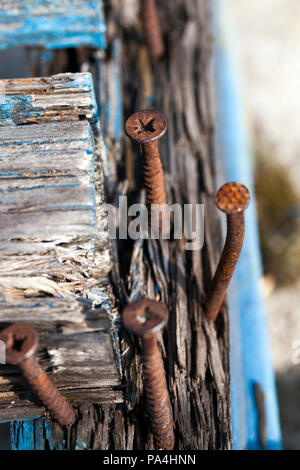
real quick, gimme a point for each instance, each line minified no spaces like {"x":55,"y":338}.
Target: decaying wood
{"x":196,"y":354}
{"x":63,"y":97}
{"x":54,"y":254}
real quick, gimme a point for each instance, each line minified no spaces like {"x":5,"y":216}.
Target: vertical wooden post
{"x":196,"y":354}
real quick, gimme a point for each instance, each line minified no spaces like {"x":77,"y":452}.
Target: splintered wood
{"x":196,"y":353}
{"x":54,"y":254}
{"x":63,"y":97}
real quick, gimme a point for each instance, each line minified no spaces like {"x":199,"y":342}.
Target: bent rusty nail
{"x":232,"y":198}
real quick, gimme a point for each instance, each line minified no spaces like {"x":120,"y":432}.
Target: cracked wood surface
{"x":54,"y":256}
{"x":196,"y":354}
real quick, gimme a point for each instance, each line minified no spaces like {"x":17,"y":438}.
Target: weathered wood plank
{"x":35,"y":193}
{"x":196,"y":354}
{"x":54,"y":255}
{"x":51,"y":23}
{"x":62,"y":97}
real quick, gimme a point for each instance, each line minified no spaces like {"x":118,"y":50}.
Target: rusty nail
{"x":144,"y":317}
{"x":21,"y":343}
{"x":152,"y":29}
{"x":147,"y":127}
{"x":232,"y":198}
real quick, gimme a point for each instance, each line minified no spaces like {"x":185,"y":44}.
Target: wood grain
{"x":54,"y":256}
{"x":196,"y":354}
{"x":62,"y":97}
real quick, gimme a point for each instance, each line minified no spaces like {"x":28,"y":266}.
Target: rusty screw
{"x":21,"y":342}
{"x":152,"y":29}
{"x":232,"y":198}
{"x":144,"y":317}
{"x":147,"y":127}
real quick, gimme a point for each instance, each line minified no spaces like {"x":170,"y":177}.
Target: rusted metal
{"x":232,"y":198}
{"x":152,"y":29}
{"x":144,"y":317}
{"x":147,"y":127}
{"x":21,"y":343}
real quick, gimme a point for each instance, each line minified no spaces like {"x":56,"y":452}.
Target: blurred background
{"x":267,"y":41}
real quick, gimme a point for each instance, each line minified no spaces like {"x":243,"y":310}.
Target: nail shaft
{"x":143,"y":318}
{"x":21,"y":343}
{"x":146,"y":128}
{"x":158,"y":402}
{"x":153,"y":175}
{"x":232,"y":198}
{"x":152,"y":29}
{"x":47,"y":392}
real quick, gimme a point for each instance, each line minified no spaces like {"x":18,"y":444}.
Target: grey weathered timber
{"x":62,"y":97}
{"x":196,"y":354}
{"x":54,"y":253}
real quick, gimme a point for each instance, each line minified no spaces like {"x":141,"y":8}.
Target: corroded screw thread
{"x":232,"y":198}
{"x":152,"y":29}
{"x":21,"y":342}
{"x":47,"y":392}
{"x":153,"y":175}
{"x":144,"y":317}
{"x":157,"y":397}
{"x":147,"y":127}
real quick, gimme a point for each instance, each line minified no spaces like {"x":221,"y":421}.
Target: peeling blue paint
{"x":53,"y":24}
{"x":42,"y":187}
{"x":17,"y":109}
{"x":40,"y":142}
{"x":118,"y":108}
{"x":22,"y":433}
{"x":18,"y":175}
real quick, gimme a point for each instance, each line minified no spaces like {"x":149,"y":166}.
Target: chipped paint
{"x":52,"y":24}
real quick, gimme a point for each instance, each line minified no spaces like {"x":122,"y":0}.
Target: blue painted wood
{"x":52,"y":23}
{"x":37,"y":434}
{"x":118,"y":102}
{"x":250,"y":351}
{"x":24,"y":430}
{"x":25,"y":418}
{"x":109,"y":92}
{"x":27,"y":101}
